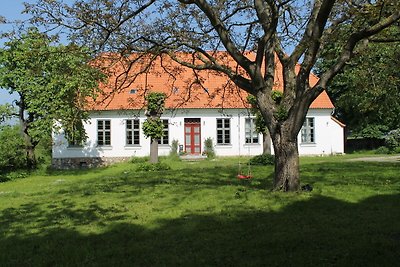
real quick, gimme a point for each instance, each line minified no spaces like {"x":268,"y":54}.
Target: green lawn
{"x":199,"y":214}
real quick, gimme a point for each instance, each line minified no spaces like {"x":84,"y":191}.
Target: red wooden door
{"x":192,"y":136}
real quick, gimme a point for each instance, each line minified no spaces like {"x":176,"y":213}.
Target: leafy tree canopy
{"x":6,"y":112}
{"x":366,"y":92}
{"x":53,"y":82}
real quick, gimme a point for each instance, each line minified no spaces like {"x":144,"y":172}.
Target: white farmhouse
{"x":200,"y":105}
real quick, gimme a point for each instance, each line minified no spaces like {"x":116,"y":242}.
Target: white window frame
{"x":308,"y":131}
{"x":223,"y":132}
{"x":250,"y":134}
{"x":132,"y":130}
{"x":101,"y":128}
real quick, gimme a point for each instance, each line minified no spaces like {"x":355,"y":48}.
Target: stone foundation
{"x":84,"y":163}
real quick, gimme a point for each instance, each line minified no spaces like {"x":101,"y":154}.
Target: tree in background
{"x":11,"y":148}
{"x":366,"y":93}
{"x":7,"y":111}
{"x":255,"y":35}
{"x":153,"y":127}
{"x":53,"y":84}
{"x":11,"y":144}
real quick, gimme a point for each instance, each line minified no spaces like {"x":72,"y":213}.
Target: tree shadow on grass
{"x":131,"y":181}
{"x":371,"y":174}
{"x":318,"y":232}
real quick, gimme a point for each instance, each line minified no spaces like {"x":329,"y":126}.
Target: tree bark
{"x":30,"y":144}
{"x":287,"y":171}
{"x":266,"y":143}
{"x":154,"y":151}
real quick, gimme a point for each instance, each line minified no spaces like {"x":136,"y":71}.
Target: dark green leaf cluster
{"x":155,"y":103}
{"x":12,"y":147}
{"x":366,"y":93}
{"x":261,"y":125}
{"x":153,"y":127}
{"x":7,"y":111}
{"x":276,"y":96}
{"x":262,"y":160}
{"x":209,"y":150}
{"x":54,"y":82}
{"x":152,"y":167}
{"x":392,"y":140}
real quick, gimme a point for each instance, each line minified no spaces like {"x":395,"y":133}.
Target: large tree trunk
{"x":30,"y":144}
{"x":266,"y":143}
{"x":154,"y":151}
{"x":287,"y":171}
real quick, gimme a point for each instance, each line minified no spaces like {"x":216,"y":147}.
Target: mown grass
{"x":199,"y":214}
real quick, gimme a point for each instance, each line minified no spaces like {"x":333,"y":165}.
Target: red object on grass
{"x":242,"y":176}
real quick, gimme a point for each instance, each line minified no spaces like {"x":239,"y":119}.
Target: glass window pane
{"x":227,"y":123}
{"x":107,"y":125}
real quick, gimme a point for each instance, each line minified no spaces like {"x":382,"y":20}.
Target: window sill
{"x":224,"y":145}
{"x":308,"y":144}
{"x":105,"y":147}
{"x":132,"y":147}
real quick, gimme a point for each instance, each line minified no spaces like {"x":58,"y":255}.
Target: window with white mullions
{"x":132,"y":132}
{"x":308,"y":131}
{"x":164,"y":140}
{"x":251,"y":134}
{"x":223,"y":131}
{"x":103,"y":132}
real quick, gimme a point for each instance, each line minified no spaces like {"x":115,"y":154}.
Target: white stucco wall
{"x":328,"y":135}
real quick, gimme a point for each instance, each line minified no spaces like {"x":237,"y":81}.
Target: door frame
{"x":192,"y":123}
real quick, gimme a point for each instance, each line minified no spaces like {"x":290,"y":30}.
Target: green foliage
{"x":153,"y":127}
{"x":7,"y":111}
{"x":153,"y":167}
{"x":260,"y":124}
{"x":135,"y":160}
{"x":382,"y":150}
{"x":54,"y":83}
{"x":366,"y":93}
{"x":277,"y":96}
{"x":281,"y":113}
{"x":12,"y":147}
{"x":392,"y":140}
{"x":262,"y":160}
{"x":209,"y":148}
{"x":174,"y":148}
{"x":155,"y":103}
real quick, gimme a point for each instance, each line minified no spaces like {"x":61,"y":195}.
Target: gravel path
{"x":395,"y":158}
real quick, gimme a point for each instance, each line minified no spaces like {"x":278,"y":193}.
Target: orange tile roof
{"x":184,"y":87}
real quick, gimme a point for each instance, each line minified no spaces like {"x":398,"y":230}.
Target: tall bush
{"x":12,"y":148}
{"x":392,"y":140}
{"x":209,"y":148}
